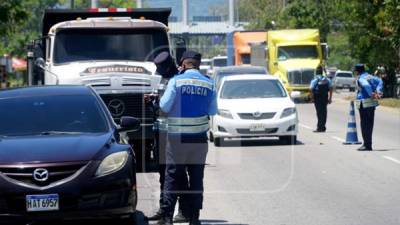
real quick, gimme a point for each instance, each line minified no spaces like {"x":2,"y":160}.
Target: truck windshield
{"x":297,"y":52}
{"x":38,"y":115}
{"x":235,"y":89}
{"x":109,"y":44}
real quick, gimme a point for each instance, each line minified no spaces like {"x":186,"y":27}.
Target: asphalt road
{"x":319,"y":181}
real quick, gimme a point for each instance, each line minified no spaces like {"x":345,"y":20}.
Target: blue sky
{"x":196,"y":7}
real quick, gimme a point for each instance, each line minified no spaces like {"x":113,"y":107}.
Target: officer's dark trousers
{"x":367,"y":116}
{"x":185,"y":158}
{"x":181,"y":199}
{"x":162,"y":142}
{"x":321,"y":106}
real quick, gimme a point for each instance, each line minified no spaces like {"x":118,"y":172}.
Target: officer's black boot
{"x":157,"y":216}
{"x":181,"y":217}
{"x":194,"y":219}
{"x":165,"y":221}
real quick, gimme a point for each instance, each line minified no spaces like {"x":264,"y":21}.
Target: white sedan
{"x":254,"y":106}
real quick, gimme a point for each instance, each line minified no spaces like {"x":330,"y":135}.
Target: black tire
{"x":289,"y":140}
{"x":129,"y":219}
{"x":218,"y":141}
{"x":211,"y":137}
{"x":352,"y":89}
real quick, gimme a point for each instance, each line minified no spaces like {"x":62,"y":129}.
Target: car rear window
{"x":236,"y":89}
{"x":245,"y":70}
{"x":41,"y":114}
{"x":349,"y":75}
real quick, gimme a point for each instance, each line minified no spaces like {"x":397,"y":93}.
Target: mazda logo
{"x":41,"y":174}
{"x":116,"y":107}
{"x":257,"y":114}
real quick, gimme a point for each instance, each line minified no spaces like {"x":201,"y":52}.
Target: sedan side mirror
{"x":128,"y":123}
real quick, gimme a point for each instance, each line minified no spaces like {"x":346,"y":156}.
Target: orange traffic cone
{"x":351,"y":136}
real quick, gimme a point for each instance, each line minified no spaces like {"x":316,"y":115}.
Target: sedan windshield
{"x":220,"y":62}
{"x":236,"y":89}
{"x":109,"y":44}
{"x":51,"y":115}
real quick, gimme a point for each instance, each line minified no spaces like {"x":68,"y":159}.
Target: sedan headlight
{"x":112,"y":163}
{"x":225,"y":113}
{"x":288,"y":111}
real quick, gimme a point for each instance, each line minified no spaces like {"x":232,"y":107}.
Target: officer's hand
{"x":329,"y":101}
{"x":149,"y":97}
{"x":376,"y":95}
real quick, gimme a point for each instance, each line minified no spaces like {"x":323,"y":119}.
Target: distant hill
{"x":197,"y":8}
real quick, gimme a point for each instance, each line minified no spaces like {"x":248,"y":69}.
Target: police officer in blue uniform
{"x":369,"y":90}
{"x":321,"y":95}
{"x":166,"y":67}
{"x":188,"y":101}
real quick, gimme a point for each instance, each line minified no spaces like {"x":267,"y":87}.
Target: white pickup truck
{"x":344,"y":79}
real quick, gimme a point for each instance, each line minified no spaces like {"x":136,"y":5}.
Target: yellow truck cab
{"x":293,"y":56}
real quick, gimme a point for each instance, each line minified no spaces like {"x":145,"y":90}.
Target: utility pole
{"x":231,"y":12}
{"x":94,"y":3}
{"x":139,"y":4}
{"x":185,"y":12}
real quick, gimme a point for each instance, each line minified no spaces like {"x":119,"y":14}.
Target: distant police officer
{"x":188,"y":101}
{"x":166,"y":68}
{"x":369,"y":91}
{"x":321,"y":95}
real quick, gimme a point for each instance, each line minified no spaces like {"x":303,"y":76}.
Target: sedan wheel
{"x":218,"y":141}
{"x":289,"y":140}
{"x":211,"y":137}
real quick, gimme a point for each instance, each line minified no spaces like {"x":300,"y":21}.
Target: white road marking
{"x":338,"y":139}
{"x":391,"y":159}
{"x":305,"y":126}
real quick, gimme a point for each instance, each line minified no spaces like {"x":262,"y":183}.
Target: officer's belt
{"x":188,"y":129}
{"x":187,"y":121}
{"x":366,"y":103}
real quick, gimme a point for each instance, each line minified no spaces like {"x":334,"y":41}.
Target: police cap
{"x":190,"y":55}
{"x":165,"y":64}
{"x":359,"y":67}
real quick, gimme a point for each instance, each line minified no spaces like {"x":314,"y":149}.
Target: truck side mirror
{"x":180,"y":48}
{"x":325,"y":51}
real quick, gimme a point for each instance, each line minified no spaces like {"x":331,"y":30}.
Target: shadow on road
{"x":219,"y":222}
{"x":255,"y":142}
{"x":386,"y":150}
{"x":137,"y":220}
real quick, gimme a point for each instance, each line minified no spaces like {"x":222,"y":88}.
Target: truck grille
{"x":254,"y":116}
{"x":301,"y":77}
{"x":129,"y":105}
{"x":56,"y":172}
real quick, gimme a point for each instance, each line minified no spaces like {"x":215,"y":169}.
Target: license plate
{"x":257,"y":127}
{"x":37,"y":203}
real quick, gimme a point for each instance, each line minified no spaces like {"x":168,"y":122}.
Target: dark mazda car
{"x":63,"y":157}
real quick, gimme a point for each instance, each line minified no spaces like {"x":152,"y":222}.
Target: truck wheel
{"x":352,"y":89}
{"x":211,"y":137}
{"x":218,"y":141}
{"x":289,"y":140}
